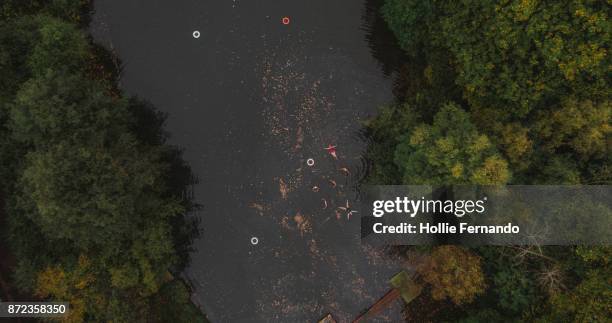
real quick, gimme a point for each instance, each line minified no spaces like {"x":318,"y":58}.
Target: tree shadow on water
{"x":148,"y":125}
{"x":383,"y":44}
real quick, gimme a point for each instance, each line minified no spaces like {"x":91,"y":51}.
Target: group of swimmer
{"x":346,"y":208}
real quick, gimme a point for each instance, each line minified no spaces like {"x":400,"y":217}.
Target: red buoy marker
{"x":286,"y":20}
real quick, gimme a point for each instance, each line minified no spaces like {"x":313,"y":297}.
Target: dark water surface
{"x":250,"y":101}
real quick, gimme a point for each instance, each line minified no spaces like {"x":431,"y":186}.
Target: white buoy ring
{"x":196,"y":34}
{"x":310,"y":162}
{"x":254,"y":241}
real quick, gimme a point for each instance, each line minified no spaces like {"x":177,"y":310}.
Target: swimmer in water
{"x":348,"y":215}
{"x":346,"y":209}
{"x":324,"y":203}
{"x":332,"y":183}
{"x":345,"y":171}
{"x":338,"y":214}
{"x":332,"y":151}
{"x":315,"y":189}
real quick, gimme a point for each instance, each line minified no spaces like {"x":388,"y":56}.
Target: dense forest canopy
{"x":93,"y":194}
{"x":515,"y":65}
{"x":504,"y":92}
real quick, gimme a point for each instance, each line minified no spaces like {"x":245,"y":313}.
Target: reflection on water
{"x":251,"y":100}
{"x":382,"y":42}
{"x":362,"y":170}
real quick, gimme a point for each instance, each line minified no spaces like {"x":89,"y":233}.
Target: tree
{"x":385,"y":130}
{"x":61,"y":46}
{"x":589,"y":299}
{"x":534,"y":80}
{"x":450,"y":151}
{"x":59,"y":106}
{"x":409,"y":20}
{"x":452,"y":272}
{"x":517,"y":54}
{"x":520,"y":66}
{"x":94,"y":194}
{"x":582,"y":126}
{"x":73,"y":286}
{"x":588,"y":302}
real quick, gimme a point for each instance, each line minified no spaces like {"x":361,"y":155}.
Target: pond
{"x":254,"y":100}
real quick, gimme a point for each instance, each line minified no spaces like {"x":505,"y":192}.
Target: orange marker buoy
{"x":286,"y":20}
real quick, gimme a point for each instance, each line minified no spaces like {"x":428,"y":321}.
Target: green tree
{"x":59,"y":106}
{"x":119,"y":195}
{"x":515,"y":54}
{"x":93,"y":192}
{"x":386,"y":131}
{"x":521,"y":66}
{"x":17,"y":38}
{"x":450,"y":151}
{"x":588,"y":302}
{"x":584,"y":127}
{"x":409,"y":20}
{"x":61,"y":46}
{"x":534,"y":82}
